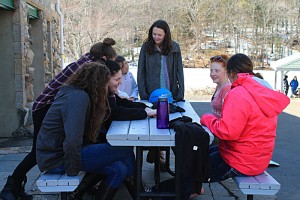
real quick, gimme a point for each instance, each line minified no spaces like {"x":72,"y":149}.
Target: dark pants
{"x":220,"y":170}
{"x":30,"y":160}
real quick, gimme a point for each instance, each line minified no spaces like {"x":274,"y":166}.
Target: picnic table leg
{"x":178,"y":179}
{"x":139,"y":160}
{"x":63,"y":195}
{"x":168,"y":162}
{"x":249,"y":197}
{"x":157,"y":166}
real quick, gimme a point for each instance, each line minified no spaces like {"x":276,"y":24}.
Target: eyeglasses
{"x":217,"y":58}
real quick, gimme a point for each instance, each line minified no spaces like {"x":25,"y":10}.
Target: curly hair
{"x":104,"y":49}
{"x":93,"y":78}
{"x":166,"y":44}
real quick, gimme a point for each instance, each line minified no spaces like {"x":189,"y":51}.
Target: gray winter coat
{"x":149,"y":67}
{"x":60,"y":138}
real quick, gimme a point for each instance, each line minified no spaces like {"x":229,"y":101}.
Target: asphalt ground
{"x":287,"y":151}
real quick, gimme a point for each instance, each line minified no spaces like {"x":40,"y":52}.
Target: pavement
{"x":287,"y":151}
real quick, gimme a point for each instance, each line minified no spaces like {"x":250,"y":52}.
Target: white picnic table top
{"x":144,"y":132}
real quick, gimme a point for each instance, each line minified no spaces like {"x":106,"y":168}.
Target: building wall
{"x":8,"y":111}
{"x":30,"y":57}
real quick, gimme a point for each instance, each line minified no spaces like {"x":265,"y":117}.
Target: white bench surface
{"x":58,"y":182}
{"x":263,"y":184}
{"x":144,"y":132}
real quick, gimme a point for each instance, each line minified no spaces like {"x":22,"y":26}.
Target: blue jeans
{"x":220,"y":170}
{"x":116,"y":163}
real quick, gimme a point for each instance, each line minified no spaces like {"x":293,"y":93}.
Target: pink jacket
{"x":247,"y":128}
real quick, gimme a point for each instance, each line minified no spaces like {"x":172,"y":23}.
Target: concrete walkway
{"x":287,"y":151}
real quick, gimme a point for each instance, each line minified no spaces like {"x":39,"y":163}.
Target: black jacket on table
{"x":192,"y":150}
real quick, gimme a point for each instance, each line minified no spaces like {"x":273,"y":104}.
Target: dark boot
{"x":88,"y":181}
{"x":130,"y":185}
{"x":14,"y":189}
{"x":105,"y":192}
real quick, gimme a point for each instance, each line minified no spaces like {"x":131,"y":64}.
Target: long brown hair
{"x":166,"y":44}
{"x":93,"y":78}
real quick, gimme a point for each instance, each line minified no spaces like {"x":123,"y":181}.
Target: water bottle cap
{"x":163,"y":98}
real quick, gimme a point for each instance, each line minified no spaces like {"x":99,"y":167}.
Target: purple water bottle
{"x":162,"y":118}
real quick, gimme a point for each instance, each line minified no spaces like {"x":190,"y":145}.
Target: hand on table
{"x":150,"y":112}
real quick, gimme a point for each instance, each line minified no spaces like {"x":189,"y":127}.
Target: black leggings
{"x":30,"y":160}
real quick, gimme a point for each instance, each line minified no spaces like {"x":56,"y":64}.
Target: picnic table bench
{"x":263,"y":184}
{"x":59,"y":183}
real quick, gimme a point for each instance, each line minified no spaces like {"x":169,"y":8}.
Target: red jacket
{"x":247,"y":128}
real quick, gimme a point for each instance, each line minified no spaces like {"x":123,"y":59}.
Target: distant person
{"x":160,"y":66}
{"x":160,"y":63}
{"x":15,"y":184}
{"x":247,"y":127}
{"x":294,"y":85}
{"x":285,"y":85}
{"x":128,"y":85}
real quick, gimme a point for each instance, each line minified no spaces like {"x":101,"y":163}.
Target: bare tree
{"x":256,"y":27}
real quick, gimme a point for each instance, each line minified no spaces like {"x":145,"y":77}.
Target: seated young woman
{"x":67,"y":141}
{"x":246,"y":128}
{"x":119,"y":109}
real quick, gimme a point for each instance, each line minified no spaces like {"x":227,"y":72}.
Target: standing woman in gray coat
{"x":160,"y":66}
{"x":160,"y":63}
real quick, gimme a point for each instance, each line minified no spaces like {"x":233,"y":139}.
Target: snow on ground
{"x":198,"y":78}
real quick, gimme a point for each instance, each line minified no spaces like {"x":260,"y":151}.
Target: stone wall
{"x":35,"y":44}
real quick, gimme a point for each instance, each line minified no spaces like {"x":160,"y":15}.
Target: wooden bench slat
{"x":258,"y":192}
{"x":263,"y":184}
{"x":158,"y":134}
{"x":118,"y":130}
{"x":267,"y":181}
{"x":57,"y":189}
{"x":65,"y":180}
{"x":135,"y":130}
{"x":48,"y":180}
{"x":248,"y":182}
{"x":58,"y":182}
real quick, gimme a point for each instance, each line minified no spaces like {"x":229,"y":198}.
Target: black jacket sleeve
{"x":127,"y":110}
{"x":129,"y":104}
